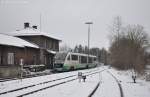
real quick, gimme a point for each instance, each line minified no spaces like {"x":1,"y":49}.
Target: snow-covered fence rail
{"x":7,"y":79}
{"x":24,"y":77}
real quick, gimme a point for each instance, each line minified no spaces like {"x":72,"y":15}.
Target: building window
{"x":50,"y":61}
{"x":45,"y":60}
{"x":50,"y":44}
{"x":45,"y":44}
{"x":10,"y":58}
{"x":53,"y":45}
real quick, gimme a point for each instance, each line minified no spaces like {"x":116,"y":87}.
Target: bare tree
{"x":137,"y":40}
{"x":115,"y":28}
{"x":128,"y":51}
{"x":115,"y":37}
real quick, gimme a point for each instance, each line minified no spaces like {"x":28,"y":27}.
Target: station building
{"x":29,"y":44}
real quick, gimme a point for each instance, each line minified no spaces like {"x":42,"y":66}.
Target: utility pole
{"x":88,"y":23}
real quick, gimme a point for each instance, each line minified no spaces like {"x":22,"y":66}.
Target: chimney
{"x":34,"y":27}
{"x":26,"y":25}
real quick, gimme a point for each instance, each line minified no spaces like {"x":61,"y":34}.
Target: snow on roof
{"x":30,"y":32}
{"x":14,"y":41}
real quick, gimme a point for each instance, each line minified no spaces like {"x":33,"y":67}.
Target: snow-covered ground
{"x":71,"y":89}
{"x":11,"y":85}
{"x":108,"y":86}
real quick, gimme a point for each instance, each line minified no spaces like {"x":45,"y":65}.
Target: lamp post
{"x":88,"y":23}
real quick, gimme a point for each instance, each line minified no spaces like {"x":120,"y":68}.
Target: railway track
{"x":28,"y":76}
{"x":56,"y":84}
{"x":46,"y":82}
{"x":98,"y":84}
{"x":119,"y":85}
{"x":94,"y":90}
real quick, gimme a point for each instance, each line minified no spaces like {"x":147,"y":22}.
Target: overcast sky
{"x":65,"y":18}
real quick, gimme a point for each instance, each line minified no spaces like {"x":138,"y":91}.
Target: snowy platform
{"x":108,"y":86}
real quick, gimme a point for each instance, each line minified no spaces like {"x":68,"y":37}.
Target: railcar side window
{"x":83,"y":59}
{"x":74,"y":57}
{"x":90,"y":59}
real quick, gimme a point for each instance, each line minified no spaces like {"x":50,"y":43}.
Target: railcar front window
{"x":58,"y":65}
{"x":68,"y":58}
{"x":74,"y":57}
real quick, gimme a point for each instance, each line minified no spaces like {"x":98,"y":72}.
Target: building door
{"x":10,"y":59}
{"x":34,"y":60}
{"x":45,"y":60}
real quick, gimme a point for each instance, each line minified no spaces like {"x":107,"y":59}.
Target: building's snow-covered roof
{"x":14,"y":41}
{"x":30,"y":32}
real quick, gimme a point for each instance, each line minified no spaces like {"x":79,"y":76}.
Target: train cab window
{"x":68,"y":58}
{"x":58,"y":65}
{"x":74,"y":57}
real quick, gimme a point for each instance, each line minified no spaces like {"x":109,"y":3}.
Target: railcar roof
{"x":81,"y":54}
